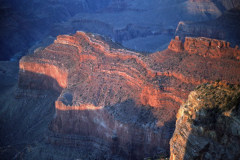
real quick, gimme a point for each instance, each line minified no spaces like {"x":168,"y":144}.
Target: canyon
{"x":118,"y":79}
{"x":120,"y":102}
{"x":139,"y":25}
{"x":224,"y":27}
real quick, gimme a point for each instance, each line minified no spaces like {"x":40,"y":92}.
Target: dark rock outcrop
{"x":208,"y":124}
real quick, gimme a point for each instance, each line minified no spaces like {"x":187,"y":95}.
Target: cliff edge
{"x":120,"y":99}
{"x":208,"y":124}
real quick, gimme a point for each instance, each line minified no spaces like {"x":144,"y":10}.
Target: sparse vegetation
{"x":220,"y":95}
{"x":216,"y":100}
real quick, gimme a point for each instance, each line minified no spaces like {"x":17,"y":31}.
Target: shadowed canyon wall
{"x":225,"y":27}
{"x":127,"y":100}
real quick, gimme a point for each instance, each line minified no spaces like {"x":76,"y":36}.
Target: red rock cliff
{"x":205,"y":47}
{"x":122,"y":97}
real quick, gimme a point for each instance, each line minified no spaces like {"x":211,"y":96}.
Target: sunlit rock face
{"x":176,"y":45}
{"x":120,"y":98}
{"x":210,"y":48}
{"x":208,"y":123}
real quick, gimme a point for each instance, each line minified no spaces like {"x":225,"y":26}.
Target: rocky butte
{"x":119,"y":101}
{"x":208,"y":124}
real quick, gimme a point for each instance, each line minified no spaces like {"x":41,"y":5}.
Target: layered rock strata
{"x":122,"y":97}
{"x":208,"y":124}
{"x":224,"y":27}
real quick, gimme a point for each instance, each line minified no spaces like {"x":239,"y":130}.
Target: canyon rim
{"x":121,"y":79}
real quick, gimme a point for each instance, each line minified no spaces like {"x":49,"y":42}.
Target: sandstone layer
{"x":127,"y":100}
{"x":208,"y":124}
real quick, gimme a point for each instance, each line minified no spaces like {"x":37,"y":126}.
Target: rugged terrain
{"x":138,"y":24}
{"x":208,"y":124}
{"x":85,"y":96}
{"x":25,"y":117}
{"x":121,"y":102}
{"x":224,"y":27}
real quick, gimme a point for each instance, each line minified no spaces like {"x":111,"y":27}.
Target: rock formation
{"x":208,"y":124}
{"x":121,"y":99}
{"x":30,"y":23}
{"x":176,"y":45}
{"x":224,"y":27}
{"x":210,"y":48}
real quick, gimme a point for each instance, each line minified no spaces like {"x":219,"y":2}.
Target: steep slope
{"x":208,"y":124}
{"x":25,"y":114}
{"x":224,"y":27}
{"x":118,"y":98}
